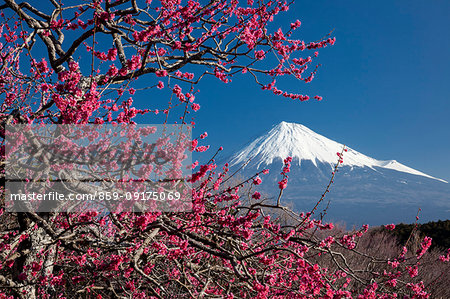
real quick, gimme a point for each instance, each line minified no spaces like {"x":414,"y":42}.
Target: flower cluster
{"x":286,"y":169}
{"x":226,"y":245}
{"x":424,"y":246}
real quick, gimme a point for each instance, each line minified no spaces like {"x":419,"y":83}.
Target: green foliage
{"x":439,"y":231}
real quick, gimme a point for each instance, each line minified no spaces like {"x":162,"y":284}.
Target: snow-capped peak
{"x":295,"y":140}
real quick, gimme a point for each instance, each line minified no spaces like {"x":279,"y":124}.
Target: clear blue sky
{"x":385,"y":83}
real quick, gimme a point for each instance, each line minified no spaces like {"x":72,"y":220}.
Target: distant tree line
{"x":439,"y":231}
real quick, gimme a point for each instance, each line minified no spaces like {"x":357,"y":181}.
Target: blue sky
{"x":385,"y":83}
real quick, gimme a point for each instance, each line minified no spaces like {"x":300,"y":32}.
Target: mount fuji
{"x":365,"y":190}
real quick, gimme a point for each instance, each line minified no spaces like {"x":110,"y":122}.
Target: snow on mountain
{"x":295,"y":140}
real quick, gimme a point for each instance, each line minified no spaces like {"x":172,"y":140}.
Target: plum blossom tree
{"x":81,"y":62}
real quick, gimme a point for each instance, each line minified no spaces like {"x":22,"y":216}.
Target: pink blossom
{"x":195,"y":107}
{"x":296,"y":24}
{"x":260,"y":55}
{"x":413,"y":271}
{"x":257,"y":181}
{"x":282,"y":184}
{"x":326,"y":243}
{"x":112,"y":54}
{"x":426,"y":243}
{"x":161,"y":73}
{"x":445,"y":258}
{"x":390,"y":226}
{"x":256,"y":195}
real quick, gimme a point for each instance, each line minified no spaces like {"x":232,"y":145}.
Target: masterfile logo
{"x":121,"y":167}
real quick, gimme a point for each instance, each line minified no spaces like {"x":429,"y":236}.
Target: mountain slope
{"x":366,"y":190}
{"x":298,"y":141}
